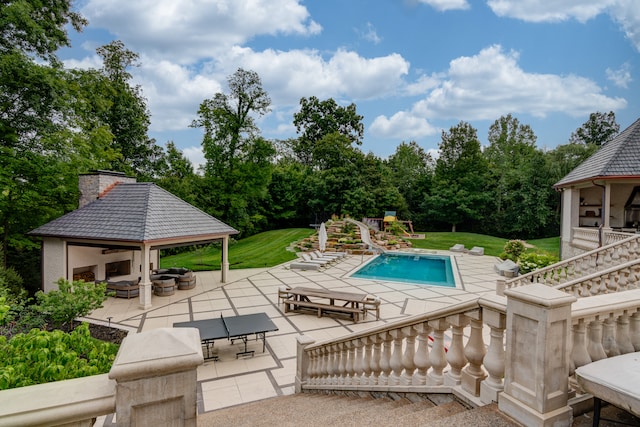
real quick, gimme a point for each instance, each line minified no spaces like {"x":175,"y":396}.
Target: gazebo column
{"x":224,"y":265}
{"x":145,"y":281}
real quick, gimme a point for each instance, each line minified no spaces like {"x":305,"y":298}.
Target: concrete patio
{"x":232,"y":381}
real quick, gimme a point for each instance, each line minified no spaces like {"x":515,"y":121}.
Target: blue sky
{"x":412,"y":67}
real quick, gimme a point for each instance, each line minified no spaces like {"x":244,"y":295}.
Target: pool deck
{"x":232,"y":381}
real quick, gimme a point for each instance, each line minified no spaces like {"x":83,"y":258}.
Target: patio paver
{"x":229,"y":381}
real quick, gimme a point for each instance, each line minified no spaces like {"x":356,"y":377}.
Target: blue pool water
{"x":433,"y":270}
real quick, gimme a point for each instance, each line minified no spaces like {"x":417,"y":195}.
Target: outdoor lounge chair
{"x":457,"y":248}
{"x":336,"y":255}
{"x":477,"y":250}
{"x":307,"y":259}
{"x":302,"y":265}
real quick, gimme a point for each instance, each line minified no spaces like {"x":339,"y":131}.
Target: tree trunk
{"x":453,"y":228}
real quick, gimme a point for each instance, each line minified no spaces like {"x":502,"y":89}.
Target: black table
{"x":232,"y":328}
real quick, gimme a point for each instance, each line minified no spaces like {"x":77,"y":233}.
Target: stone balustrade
{"x":579,"y":266}
{"x":493,"y":349}
{"x":413,"y":354}
{"x":621,"y":277}
{"x":604,"y":327}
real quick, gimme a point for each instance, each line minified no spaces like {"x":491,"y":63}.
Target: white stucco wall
{"x":53,"y":262}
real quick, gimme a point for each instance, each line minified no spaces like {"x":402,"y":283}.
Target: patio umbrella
{"x":322,"y":237}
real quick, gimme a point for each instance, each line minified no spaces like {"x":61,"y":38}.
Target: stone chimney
{"x":93,"y":185}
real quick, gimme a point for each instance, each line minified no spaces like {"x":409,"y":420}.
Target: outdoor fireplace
{"x":87,"y":273}
{"x":117,"y":268}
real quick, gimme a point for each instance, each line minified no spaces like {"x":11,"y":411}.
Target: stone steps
{"x":326,"y":410}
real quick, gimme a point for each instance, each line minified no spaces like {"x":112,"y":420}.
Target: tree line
{"x":56,"y":123}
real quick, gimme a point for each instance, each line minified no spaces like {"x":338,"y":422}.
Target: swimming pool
{"x":419,"y":269}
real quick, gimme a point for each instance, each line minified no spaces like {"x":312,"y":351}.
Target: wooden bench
{"x":353,"y":312}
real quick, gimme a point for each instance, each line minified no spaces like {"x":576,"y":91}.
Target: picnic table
{"x":232,"y":328}
{"x":326,"y":301}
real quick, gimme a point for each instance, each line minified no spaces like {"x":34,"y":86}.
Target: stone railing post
{"x":303,"y":360}
{"x":494,"y":360}
{"x":155,"y":372}
{"x":537,"y":356}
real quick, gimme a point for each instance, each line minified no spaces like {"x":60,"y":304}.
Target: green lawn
{"x":261,"y":250}
{"x":269,"y":248}
{"x":492,"y":245}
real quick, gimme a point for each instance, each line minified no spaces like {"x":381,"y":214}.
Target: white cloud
{"x":195,"y":156}
{"x":369,"y":34}
{"x":443,"y":5}
{"x":625,"y":12}
{"x":491,"y":83}
{"x":402,"y":125}
{"x":620,"y":77}
{"x":549,"y":11}
{"x":288,"y":76}
{"x":199,"y":28}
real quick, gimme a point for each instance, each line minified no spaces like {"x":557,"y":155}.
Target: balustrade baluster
{"x":312,"y":373}
{"x":595,"y":348}
{"x":409,"y":354}
{"x":348,"y":367}
{"x":396,"y":357}
{"x":332,"y":368}
{"x":609,"y":337}
{"x":385,"y":361}
{"x":358,"y":366}
{"x":455,"y":354}
{"x":579,"y":353}
{"x":375,"y":360}
{"x":494,"y":360}
{"x":585,"y":288}
{"x":323,"y":365}
{"x":366,"y":362}
{"x":437,"y":356}
{"x":421,"y":359}
{"x":319,"y":363}
{"x":623,"y":339}
{"x":474,"y":351}
{"x":607,"y":257}
{"x":342,"y":356}
{"x":634,"y":330}
{"x":623,"y":279}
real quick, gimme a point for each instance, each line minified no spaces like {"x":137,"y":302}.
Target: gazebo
{"x":118,"y":231}
{"x":601,"y":196}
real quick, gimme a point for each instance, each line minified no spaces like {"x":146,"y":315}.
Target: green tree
{"x":42,"y":139}
{"x":598,"y":130}
{"x":238,"y":167}
{"x":317,"y":119}
{"x":177,"y":176}
{"x":411,"y":170}
{"x":37,"y":28}
{"x":519,"y":191}
{"x":127,"y":114}
{"x":458,"y":193}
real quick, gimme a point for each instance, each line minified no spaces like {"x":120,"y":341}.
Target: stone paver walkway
{"x":229,"y":381}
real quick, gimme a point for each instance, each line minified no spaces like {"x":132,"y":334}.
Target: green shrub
{"x":40,"y":357}
{"x":513,"y":249}
{"x":71,"y":300}
{"x":531,"y":261}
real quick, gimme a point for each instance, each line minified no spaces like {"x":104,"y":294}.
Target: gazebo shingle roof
{"x":135,"y":212}
{"x":619,"y":157}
